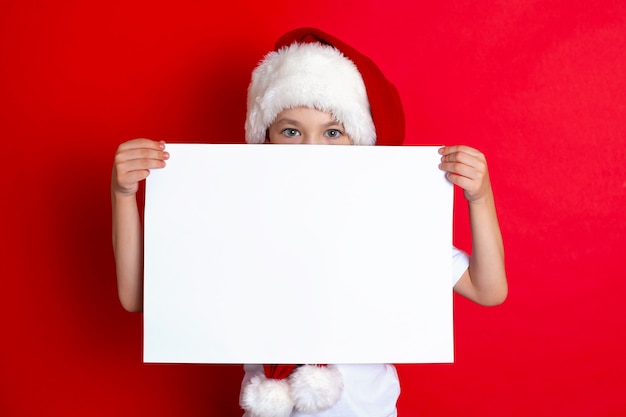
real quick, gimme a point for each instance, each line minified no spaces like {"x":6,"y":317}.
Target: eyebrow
{"x":285,"y":121}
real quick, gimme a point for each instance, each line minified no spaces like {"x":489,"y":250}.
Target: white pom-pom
{"x":264,"y":397}
{"x":315,"y":388}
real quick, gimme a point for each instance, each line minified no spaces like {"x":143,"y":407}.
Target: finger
{"x":445,"y":150}
{"x":476,"y":161}
{"x":140,"y":144}
{"x":463,"y":182}
{"x":464,"y":154}
{"x":133,"y":177}
{"x":139,"y":154}
{"x":139,"y":164}
{"x":460,"y":169}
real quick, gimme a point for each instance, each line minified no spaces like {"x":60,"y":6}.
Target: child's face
{"x":303,"y":125}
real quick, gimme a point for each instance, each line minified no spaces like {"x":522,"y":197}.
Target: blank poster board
{"x":298,"y":254}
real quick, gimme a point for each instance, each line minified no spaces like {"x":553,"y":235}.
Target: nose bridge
{"x":311,"y":139}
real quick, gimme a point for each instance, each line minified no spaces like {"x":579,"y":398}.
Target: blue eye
{"x":333,"y":133}
{"x":290,"y":132}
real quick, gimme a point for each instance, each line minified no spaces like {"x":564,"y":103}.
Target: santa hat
{"x":310,"y":68}
{"x":308,"y":389}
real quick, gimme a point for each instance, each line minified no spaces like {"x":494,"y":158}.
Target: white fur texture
{"x":309,"y":75}
{"x":315,"y":388}
{"x":264,"y":397}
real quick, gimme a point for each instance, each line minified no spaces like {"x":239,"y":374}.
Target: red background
{"x":539,"y":86}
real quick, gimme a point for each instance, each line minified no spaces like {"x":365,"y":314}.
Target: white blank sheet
{"x":298,"y":254}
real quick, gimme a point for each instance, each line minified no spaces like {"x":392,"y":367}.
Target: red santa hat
{"x":310,"y":68}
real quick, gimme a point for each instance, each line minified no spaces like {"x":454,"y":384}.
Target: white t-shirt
{"x":369,"y":390}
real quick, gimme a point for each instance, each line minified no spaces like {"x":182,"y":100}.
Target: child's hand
{"x":132,"y":163}
{"x":467,"y":168}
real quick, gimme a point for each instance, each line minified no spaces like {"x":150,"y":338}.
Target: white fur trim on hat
{"x":309,"y":75}
{"x":309,"y":389}
{"x":263,"y":397}
{"x":315,"y":388}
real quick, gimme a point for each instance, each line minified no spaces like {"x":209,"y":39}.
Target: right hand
{"x":132,"y":164}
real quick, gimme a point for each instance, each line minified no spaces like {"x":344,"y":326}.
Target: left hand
{"x":467,"y":168}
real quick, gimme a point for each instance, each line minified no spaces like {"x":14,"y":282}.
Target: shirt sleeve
{"x":460,"y":262}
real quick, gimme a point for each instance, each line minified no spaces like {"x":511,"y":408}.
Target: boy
{"x":314,"y":89}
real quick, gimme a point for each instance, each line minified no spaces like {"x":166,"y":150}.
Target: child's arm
{"x":132,"y":163}
{"x":485,"y":280}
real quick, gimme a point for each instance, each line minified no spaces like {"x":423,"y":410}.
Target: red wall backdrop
{"x":539,"y":86}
